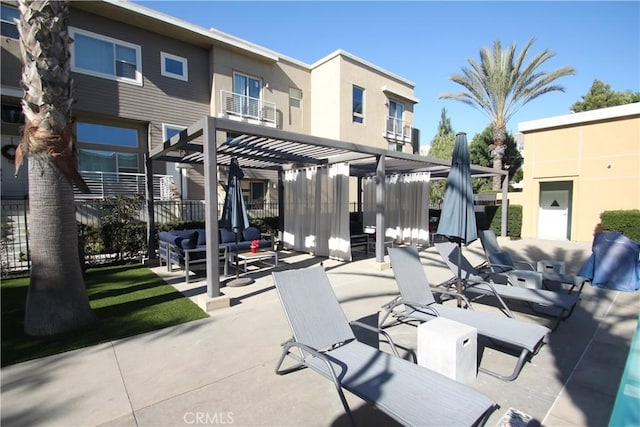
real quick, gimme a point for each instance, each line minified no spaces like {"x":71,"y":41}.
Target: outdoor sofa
{"x":187,"y":248}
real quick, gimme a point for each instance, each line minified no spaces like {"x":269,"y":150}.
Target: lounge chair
{"x":553,"y":272}
{"x":324,"y":342}
{"x":516,"y":285}
{"x":419,"y":304}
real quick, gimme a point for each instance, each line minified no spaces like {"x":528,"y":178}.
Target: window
{"x":107,"y":148}
{"x":170,"y":130}
{"x":254,"y":193}
{"x":12,"y":114}
{"x":174,"y":66}
{"x":358,"y":104}
{"x":107,"y":161}
{"x":395,"y":123}
{"x":107,"y":135}
{"x":295,"y":97}
{"x":105,"y":57}
{"x":7,"y":16}
{"x":246,"y":91}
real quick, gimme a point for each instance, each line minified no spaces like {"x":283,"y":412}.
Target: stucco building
{"x":576,"y":167}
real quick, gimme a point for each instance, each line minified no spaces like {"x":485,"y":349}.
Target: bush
{"x":493,"y":215}
{"x":121,"y":231}
{"x":626,"y":222}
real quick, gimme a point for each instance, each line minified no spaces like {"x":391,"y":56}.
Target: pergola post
{"x":211,"y":206}
{"x":380,"y":197}
{"x":152,"y":242}
{"x":505,"y":205}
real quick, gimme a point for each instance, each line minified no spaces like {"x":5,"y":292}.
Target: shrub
{"x":626,"y":222}
{"x":493,"y":216}
{"x":121,"y":231}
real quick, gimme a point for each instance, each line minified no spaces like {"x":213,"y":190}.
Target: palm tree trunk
{"x":57,"y":299}
{"x":497,"y":152}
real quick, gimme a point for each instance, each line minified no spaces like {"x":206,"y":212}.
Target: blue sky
{"x":428,"y":41}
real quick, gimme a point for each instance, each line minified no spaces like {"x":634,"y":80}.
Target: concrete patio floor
{"x":220,"y":370}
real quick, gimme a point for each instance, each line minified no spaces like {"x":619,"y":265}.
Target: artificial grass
{"x":128,"y":300}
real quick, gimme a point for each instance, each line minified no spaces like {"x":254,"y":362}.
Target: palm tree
{"x":57,"y":299}
{"x":501,"y":84}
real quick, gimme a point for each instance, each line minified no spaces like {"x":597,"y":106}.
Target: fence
{"x":14,"y":242}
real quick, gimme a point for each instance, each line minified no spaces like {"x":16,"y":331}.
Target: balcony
{"x":109,"y":184}
{"x":246,"y":108}
{"x":398,"y":130}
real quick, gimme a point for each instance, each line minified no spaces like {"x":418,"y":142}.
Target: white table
{"x":247,"y":257}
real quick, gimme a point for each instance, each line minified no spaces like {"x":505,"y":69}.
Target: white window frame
{"x":295,"y":97}
{"x":355,"y":116}
{"x":10,"y":22}
{"x":166,"y":126}
{"x":185,"y":66}
{"x":137,"y":81}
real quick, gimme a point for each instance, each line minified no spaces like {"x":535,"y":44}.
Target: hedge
{"x":625,"y":222}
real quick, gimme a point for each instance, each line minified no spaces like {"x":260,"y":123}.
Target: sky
{"x":426,"y":42}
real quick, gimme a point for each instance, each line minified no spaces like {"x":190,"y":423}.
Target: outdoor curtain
{"x":406,"y":207}
{"x":316,"y":210}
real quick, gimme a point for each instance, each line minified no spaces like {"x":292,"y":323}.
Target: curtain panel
{"x":406,"y":207}
{"x":316,"y":211}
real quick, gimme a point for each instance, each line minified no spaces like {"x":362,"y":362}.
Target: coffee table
{"x":249,"y":257}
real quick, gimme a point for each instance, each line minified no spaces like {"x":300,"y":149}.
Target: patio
{"x":219,"y":371}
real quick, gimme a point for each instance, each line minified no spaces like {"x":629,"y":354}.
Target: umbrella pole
{"x":237,"y":252}
{"x":238,"y":281}
{"x":459,"y":283}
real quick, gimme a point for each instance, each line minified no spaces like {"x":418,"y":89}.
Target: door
{"x":553,"y":215}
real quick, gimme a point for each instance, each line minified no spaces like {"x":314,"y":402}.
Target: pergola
{"x":215,"y":141}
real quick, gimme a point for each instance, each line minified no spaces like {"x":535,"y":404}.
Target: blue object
{"x":458,"y":219}
{"x":626,"y":410}
{"x":614,"y":262}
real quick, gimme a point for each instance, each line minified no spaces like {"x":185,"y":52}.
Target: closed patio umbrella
{"x":234,"y":214}
{"x":458,"y":219}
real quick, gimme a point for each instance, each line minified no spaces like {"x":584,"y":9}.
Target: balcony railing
{"x":246,"y":107}
{"x":109,"y":184}
{"x":399,"y":130}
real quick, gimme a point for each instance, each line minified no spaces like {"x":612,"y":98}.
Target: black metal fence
{"x":14,"y":241}
{"x":14,"y":233}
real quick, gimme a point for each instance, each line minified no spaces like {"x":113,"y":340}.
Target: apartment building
{"x":141,"y":76}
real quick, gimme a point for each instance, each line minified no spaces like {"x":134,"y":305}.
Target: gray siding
{"x":161,"y":99}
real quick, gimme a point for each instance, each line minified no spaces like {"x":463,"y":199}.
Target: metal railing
{"x":109,"y":184}
{"x":246,"y":107}
{"x":14,"y":232}
{"x":398,"y":129}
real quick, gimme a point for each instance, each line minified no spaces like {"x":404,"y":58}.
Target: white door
{"x":553,"y":214}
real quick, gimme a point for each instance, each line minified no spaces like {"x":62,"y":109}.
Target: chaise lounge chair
{"x":553,"y":272}
{"x":512,"y":285}
{"x":419,"y":304}
{"x":324,"y":342}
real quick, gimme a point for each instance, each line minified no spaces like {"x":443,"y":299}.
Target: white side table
{"x":551,"y":266}
{"x":449,"y":348}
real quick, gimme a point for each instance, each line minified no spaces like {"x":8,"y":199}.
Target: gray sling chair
{"x":418,"y":304}
{"x":499,"y":261}
{"x":324,"y":342}
{"x":516,"y":285}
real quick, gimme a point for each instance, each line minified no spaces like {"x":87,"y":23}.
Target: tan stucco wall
{"x":325,"y":99}
{"x":600,"y":158}
{"x":332,"y":87}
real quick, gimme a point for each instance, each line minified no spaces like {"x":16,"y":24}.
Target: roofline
{"x":352,"y":57}
{"x":213,"y":34}
{"x":616,"y":112}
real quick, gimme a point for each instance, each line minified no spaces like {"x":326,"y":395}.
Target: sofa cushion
{"x":251,"y":233}
{"x":202,"y":236}
{"x":227,"y":236}
{"x":188,"y":240}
